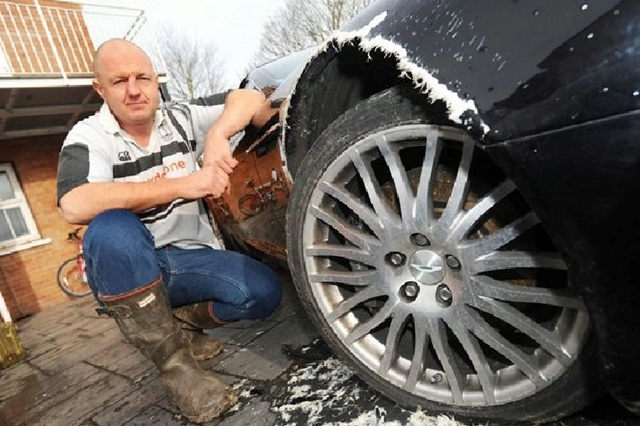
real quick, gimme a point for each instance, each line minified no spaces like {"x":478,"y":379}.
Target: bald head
{"x":118,"y":50}
{"x":125,"y":79}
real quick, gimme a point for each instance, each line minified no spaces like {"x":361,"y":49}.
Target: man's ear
{"x":97,"y":87}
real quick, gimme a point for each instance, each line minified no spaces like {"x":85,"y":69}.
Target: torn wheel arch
{"x":346,"y":71}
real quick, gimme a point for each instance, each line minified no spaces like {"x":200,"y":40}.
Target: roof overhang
{"x":37,"y":106}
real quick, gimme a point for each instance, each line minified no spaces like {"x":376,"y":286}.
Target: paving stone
{"x":263,"y":358}
{"x":227,"y":351}
{"x":168,"y":406}
{"x":244,"y":333}
{"x":52,"y":325}
{"x":124,"y":359}
{"x":131,"y":405}
{"x":31,"y":335}
{"x":156,"y":416}
{"x":93,"y":399}
{"x":255,"y":413}
{"x":44,"y":394}
{"x":63,"y":338}
{"x":287,"y":311}
{"x":65,"y":356}
{"x":13,"y":380}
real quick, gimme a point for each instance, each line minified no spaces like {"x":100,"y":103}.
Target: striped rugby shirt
{"x":98,"y":150}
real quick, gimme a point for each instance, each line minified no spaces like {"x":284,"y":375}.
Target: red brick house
{"x":46,"y":50}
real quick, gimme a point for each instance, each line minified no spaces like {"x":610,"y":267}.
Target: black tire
{"x":383,"y":279}
{"x":69,"y":279}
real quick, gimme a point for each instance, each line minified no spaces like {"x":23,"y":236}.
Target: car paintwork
{"x":528,"y":66}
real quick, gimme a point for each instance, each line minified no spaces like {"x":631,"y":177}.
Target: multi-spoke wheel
{"x":428,"y":272}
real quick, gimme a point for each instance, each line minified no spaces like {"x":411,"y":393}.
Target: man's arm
{"x":240,"y":107}
{"x":84,"y":202}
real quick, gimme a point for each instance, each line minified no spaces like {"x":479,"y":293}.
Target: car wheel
{"x":429,"y":274}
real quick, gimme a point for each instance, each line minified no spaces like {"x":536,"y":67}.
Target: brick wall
{"x":28,"y":277}
{"x":27,"y":43}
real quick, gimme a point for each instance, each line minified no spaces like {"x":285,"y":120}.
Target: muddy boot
{"x":204,"y":346}
{"x":144,"y":317}
{"x":195,"y":318}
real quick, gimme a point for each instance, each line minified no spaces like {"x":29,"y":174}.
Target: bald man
{"x":130,"y":172}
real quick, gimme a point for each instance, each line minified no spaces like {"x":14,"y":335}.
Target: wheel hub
{"x":427,"y":267}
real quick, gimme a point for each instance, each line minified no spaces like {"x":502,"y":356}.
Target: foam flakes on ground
{"x":329,"y":394}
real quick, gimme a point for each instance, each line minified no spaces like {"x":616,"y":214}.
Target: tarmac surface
{"x":80,"y":371}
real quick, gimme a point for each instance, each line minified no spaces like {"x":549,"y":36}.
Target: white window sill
{"x":24,"y":246}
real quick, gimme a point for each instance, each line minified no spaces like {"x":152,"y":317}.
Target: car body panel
{"x":583,"y":181}
{"x":251,"y":213}
{"x":528,"y":66}
{"x":521,"y":67}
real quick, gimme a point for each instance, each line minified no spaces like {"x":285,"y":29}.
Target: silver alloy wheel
{"x":437,"y":285}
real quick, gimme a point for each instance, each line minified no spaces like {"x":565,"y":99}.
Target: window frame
{"x":22,"y":203}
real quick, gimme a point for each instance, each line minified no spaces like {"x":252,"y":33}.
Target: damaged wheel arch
{"x":334,"y":81}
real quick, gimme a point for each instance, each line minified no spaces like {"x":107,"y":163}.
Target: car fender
{"x":505,"y":70}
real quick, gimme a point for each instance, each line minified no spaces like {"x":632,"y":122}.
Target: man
{"x":130,"y":172}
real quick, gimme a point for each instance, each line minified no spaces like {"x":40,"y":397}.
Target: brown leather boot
{"x":144,"y":318}
{"x":195,"y":319}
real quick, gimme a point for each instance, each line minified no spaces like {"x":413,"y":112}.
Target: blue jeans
{"x":121,"y":257}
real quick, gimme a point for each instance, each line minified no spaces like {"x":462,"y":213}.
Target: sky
{"x":235,"y":26}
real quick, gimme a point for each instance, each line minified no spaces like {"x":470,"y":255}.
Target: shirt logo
{"x":124,"y":156}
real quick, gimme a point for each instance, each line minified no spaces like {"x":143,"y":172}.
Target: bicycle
{"x":72,"y":277}
{"x":263,"y":195}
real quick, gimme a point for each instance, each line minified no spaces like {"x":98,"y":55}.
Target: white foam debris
{"x":303,"y":398}
{"x":246,"y":392}
{"x":329,"y":391}
{"x":419,"y":418}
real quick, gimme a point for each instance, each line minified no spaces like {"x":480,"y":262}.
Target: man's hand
{"x":209,"y":180}
{"x":240,"y":107}
{"x":218,"y":153}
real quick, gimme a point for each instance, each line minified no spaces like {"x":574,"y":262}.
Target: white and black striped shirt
{"x":98,"y":150}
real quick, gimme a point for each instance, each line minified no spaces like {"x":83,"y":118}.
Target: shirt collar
{"x":110,"y":124}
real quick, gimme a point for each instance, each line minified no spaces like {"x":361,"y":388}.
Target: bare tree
{"x":301,"y":24}
{"x":194,"y":67}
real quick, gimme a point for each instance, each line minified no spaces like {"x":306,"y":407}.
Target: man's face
{"x":127,"y":82}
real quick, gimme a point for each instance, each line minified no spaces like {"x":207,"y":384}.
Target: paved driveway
{"x":80,"y":371}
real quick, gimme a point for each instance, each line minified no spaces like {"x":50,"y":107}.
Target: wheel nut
{"x":444,"y":295}
{"x":436,"y":378}
{"x":396,"y":259}
{"x":419,"y":240}
{"x":410,"y":290}
{"x":452,"y":262}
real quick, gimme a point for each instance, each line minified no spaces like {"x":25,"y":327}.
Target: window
{"x":16,"y":222}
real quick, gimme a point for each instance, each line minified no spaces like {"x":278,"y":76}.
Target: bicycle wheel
{"x":250,"y":205}
{"x":70,"y":281}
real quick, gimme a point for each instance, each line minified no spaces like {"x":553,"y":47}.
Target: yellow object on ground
{"x":11,"y":348}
